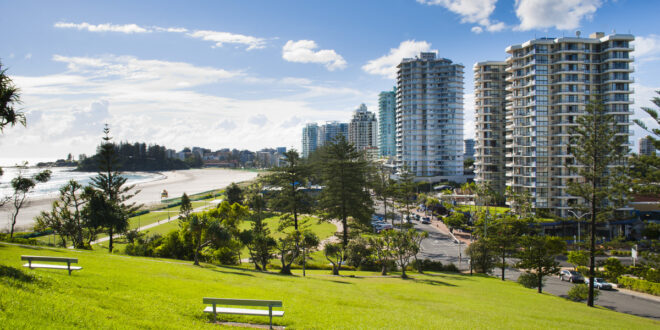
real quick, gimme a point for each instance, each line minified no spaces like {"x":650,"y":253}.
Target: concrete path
{"x":151,"y":225}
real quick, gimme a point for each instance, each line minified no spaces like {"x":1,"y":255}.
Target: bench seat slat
{"x":243,"y":302}
{"x":53,"y":259}
{"x":52,"y":266}
{"x":242,"y":311}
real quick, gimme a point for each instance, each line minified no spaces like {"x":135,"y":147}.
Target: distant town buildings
{"x":429,"y":118}
{"x":363,"y":131}
{"x":387,"y":124}
{"x":549,"y":82}
{"x":646,"y":146}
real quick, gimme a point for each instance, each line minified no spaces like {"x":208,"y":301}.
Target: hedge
{"x":639,"y":285}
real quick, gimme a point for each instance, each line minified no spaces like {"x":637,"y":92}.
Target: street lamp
{"x":577,"y":218}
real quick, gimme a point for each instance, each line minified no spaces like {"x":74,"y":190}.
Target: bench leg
{"x":270,"y":313}
{"x":215,"y":315}
{"x":68,"y":266}
{"x":30,"y":263}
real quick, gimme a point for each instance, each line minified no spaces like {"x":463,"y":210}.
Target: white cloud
{"x":170,"y":29}
{"x":560,"y":14}
{"x":28,"y":56}
{"x":471,"y":11}
{"x":258,"y":120}
{"x":303,"y":51}
{"x":221,"y":38}
{"x":386,"y":64}
{"x":647,"y":48}
{"x":126,"y":28}
{"x":160,"y":102}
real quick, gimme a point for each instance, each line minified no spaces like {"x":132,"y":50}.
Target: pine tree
{"x":114,"y":193}
{"x":599,"y":153}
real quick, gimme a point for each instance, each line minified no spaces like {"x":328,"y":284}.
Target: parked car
{"x":382,"y":226}
{"x":571,"y":276}
{"x":600,"y":283}
{"x":426,"y":220}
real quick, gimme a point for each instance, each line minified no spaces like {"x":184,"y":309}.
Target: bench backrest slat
{"x":43,"y":258}
{"x":243,"y":302}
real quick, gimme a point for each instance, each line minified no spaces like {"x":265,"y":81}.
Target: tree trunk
{"x":383,"y":270}
{"x":110,"y":241}
{"x":304,"y":261}
{"x":503,"y":263}
{"x":335,"y":270}
{"x":344,"y":222}
{"x":592,"y":253}
{"x":540,"y":277}
{"x":196,"y":258}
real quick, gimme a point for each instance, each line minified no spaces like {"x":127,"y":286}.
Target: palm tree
{"x":9,"y":97}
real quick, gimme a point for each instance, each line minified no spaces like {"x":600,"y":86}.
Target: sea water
{"x":60,"y":176}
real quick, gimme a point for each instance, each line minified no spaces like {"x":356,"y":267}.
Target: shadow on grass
{"x":219,"y":270}
{"x":340,"y":282}
{"x":17,"y":277}
{"x":430,"y":282}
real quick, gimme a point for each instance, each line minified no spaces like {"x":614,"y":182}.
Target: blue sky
{"x":250,"y":74}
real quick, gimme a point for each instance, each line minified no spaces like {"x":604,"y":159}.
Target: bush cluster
{"x":580,"y":292}
{"x":639,"y":285}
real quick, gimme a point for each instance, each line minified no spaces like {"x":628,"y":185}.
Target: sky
{"x":250,"y":74}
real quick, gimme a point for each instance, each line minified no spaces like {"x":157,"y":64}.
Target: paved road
{"x":614,"y":299}
{"x":441,"y":247}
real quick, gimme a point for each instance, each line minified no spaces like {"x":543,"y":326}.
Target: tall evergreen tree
{"x":345,"y":193}
{"x":114,"y":191}
{"x":405,"y":191}
{"x":599,"y":153}
{"x":289,"y":179}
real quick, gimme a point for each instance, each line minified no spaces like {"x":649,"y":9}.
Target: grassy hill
{"x":114,"y":291}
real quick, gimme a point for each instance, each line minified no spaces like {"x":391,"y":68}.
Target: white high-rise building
{"x":489,"y":92}
{"x":330,"y":130}
{"x":387,"y":123}
{"x":363,"y":131}
{"x":646,"y":146}
{"x":429,"y":118}
{"x":309,"y":139}
{"x":549,"y":83}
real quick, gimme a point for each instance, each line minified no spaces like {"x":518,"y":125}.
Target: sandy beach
{"x":175,"y":182}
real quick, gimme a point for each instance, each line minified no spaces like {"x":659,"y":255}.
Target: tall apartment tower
{"x":489,"y":93}
{"x":363,"y":131}
{"x":429,"y":118}
{"x":646,"y":146}
{"x":387,"y":124}
{"x":549,"y":82}
{"x":309,"y":139}
{"x":468,"y":150}
{"x":330,"y":130}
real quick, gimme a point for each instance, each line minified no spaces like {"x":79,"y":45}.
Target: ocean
{"x":60,"y":176}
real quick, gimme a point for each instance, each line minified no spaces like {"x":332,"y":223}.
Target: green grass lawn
{"x":472,"y":208}
{"x":120,"y":292}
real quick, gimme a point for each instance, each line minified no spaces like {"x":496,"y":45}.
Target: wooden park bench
{"x":68,"y":261}
{"x":243,"y":311}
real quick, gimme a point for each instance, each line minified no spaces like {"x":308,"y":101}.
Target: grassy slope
{"x":126,"y":292}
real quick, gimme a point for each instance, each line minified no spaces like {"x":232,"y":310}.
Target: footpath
{"x":158,"y":223}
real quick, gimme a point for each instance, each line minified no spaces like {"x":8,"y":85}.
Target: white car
{"x":599,"y":283}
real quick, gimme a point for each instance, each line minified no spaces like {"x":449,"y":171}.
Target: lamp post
{"x":577,"y":218}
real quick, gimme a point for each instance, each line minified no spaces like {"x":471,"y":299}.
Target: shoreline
{"x":177,"y":182}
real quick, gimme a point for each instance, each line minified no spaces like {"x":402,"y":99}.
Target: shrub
{"x":580,"y":292}
{"x":639,"y":285}
{"x":18,"y":240}
{"x":450,"y":268}
{"x":528,"y":280}
{"x":614,"y":268}
{"x":429,"y":265}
